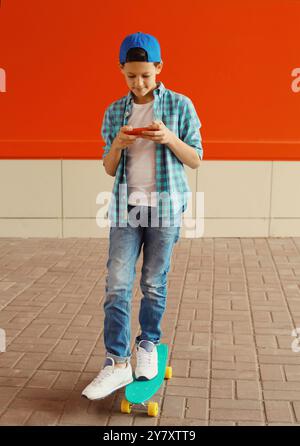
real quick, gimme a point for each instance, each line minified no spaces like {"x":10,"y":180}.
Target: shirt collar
{"x":158,"y":91}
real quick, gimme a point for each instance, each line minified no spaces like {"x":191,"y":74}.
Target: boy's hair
{"x":138,"y":55}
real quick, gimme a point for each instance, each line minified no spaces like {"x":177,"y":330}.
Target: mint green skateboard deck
{"x":138,"y":393}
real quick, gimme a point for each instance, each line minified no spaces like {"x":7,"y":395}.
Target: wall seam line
{"x":271,"y":196}
{"x":62,"y":199}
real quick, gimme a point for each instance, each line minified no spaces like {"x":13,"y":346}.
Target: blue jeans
{"x":125,"y":245}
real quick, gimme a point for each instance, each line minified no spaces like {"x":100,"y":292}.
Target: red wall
{"x":235,"y":59}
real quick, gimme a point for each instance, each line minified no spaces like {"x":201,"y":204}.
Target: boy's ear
{"x":159,"y":67}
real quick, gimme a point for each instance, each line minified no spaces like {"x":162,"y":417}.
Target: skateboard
{"x":138,"y":393}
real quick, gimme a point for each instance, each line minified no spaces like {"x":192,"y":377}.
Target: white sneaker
{"x":110,"y":378}
{"x":146,"y":354}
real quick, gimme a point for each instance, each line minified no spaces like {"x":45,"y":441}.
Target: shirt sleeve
{"x":107,"y":131}
{"x":189,"y":127}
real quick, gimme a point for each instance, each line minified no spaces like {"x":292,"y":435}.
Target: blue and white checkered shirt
{"x":178,"y":114}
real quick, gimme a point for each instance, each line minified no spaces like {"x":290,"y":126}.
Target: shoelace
{"x":107,"y":371}
{"x":144,"y":358}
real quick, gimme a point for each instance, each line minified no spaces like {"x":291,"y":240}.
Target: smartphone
{"x":138,"y":130}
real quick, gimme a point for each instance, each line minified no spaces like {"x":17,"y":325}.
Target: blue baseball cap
{"x":141,"y":40}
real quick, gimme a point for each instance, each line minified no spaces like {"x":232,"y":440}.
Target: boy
{"x":149,"y":179}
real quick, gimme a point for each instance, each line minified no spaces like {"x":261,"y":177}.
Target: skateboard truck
{"x":151,"y":407}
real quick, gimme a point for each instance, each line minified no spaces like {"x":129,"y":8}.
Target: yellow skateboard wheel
{"x":168,"y":374}
{"x":125,"y":406}
{"x":152,"y":409}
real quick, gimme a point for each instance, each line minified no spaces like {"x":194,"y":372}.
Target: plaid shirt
{"x":178,"y":114}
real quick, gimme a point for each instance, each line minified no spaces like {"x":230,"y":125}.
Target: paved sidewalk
{"x":232,"y":306}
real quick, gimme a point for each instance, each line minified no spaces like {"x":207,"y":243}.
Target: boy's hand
{"x":122,"y":139}
{"x":160,"y":133}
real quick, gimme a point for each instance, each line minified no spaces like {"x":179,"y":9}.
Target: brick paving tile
{"x":224,"y":403}
{"x":95,"y":363}
{"x":222,"y":388}
{"x":9,"y":359}
{"x":174,"y":406}
{"x":61,"y":357}
{"x":197,"y":408}
{"x":223,"y":423}
{"x":76,"y":411}
{"x":24,"y":347}
{"x":248,"y":390}
{"x":66,"y":380}
{"x":234,"y":374}
{"x":270,"y":372}
{"x":232,"y":306}
{"x":180,"y":368}
{"x":42,"y":379}
{"x":279,"y":411}
{"x":286,"y":395}
{"x":188,"y":382}
{"x":144,"y":420}
{"x":32,"y":393}
{"x":43,"y":418}
{"x":230,"y":365}
{"x":7,"y":372}
{"x":276,"y":385}
{"x":279,"y":359}
{"x":181,"y":422}
{"x":12,"y":382}
{"x":30,"y":360}
{"x":7,"y":394}
{"x":199,"y":369}
{"x":230,"y":414}
{"x":65,"y":346}
{"x":119,"y":420}
{"x":296,"y":406}
{"x":292,"y":372}
{"x":186,"y":391}
{"x":14,"y":417}
{"x":62,"y":366}
{"x":249,"y":423}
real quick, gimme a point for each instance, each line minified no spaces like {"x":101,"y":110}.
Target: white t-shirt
{"x":141,"y":159}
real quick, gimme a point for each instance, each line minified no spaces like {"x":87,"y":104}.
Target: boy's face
{"x":141,"y":78}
